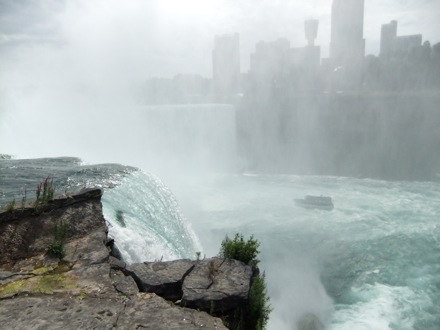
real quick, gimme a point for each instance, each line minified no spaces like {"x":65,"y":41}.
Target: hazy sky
{"x":139,"y":39}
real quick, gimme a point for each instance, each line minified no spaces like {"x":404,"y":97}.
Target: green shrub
{"x":239,"y":249}
{"x":255,"y":314}
{"x":10,"y":206}
{"x":56,"y":248}
{"x":259,"y":308}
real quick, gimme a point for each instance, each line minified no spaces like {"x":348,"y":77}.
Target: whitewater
{"x":174,"y":186}
{"x":371,"y":263}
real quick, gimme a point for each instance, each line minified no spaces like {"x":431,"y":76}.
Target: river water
{"x":373,"y":262}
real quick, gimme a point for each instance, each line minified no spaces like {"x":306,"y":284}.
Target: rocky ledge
{"x":90,"y":288}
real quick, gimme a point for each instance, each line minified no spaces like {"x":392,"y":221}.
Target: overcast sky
{"x":139,"y":39}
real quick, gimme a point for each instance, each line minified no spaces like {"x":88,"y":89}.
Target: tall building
{"x":388,"y":34}
{"x":391,"y":44}
{"x":311,"y":54}
{"x":311,"y":30}
{"x":347,"y":45}
{"x":226,"y":66}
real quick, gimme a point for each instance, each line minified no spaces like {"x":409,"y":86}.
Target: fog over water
{"x":132,"y":83}
{"x":81,"y":62}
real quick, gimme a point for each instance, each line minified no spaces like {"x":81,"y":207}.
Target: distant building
{"x":391,"y":44}
{"x":226,"y":66}
{"x":406,"y":43}
{"x":277,"y":65}
{"x":270,"y":58}
{"x":388,"y":34}
{"x":270,"y":65}
{"x":347,"y":45}
{"x":308,"y":57}
{"x":311,"y":30}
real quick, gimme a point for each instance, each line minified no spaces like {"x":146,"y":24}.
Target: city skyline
{"x":164,"y":38}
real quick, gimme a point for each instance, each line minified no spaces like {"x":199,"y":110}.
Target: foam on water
{"x":371,"y":263}
{"x":145,"y":221}
{"x":380,"y":307}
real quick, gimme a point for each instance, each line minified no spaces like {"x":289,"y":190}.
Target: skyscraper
{"x":311,"y":30}
{"x":347,"y":45}
{"x":388,"y":34}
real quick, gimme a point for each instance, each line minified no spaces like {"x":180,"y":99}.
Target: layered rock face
{"x":90,"y":288}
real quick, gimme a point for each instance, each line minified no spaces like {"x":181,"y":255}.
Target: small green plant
{"x":48,"y":190}
{"x":239,"y":249}
{"x":56,"y":248}
{"x":212,"y":271}
{"x":10,"y":206}
{"x":44,"y":193}
{"x":198,"y":253}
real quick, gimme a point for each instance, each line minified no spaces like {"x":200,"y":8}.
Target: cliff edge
{"x":88,"y":287}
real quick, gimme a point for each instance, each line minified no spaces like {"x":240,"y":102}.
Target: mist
{"x":70,"y":67}
{"x":133,"y":83}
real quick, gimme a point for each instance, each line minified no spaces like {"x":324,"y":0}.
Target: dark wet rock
{"x":114,"y":251}
{"x":116,"y":263}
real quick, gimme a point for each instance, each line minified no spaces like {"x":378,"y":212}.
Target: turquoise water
{"x":371,"y":263}
{"x":150,"y":225}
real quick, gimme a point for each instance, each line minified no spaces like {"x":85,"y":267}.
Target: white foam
{"x":154,"y":228}
{"x":381,"y":307}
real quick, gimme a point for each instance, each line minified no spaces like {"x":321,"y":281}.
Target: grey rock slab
{"x":59,"y":313}
{"x":93,"y":280}
{"x":88,"y":250}
{"x":217,"y":285}
{"x":163,"y":278}
{"x":152,"y":312}
{"x":146,"y":311}
{"x":123,"y":284}
{"x":7,"y":277}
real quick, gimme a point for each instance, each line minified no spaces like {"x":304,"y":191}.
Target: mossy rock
{"x":46,"y":284}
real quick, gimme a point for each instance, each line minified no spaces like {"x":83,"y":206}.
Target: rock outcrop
{"x":217,"y":285}
{"x":91,"y":288}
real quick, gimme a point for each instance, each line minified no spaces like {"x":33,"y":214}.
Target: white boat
{"x":315,"y":202}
